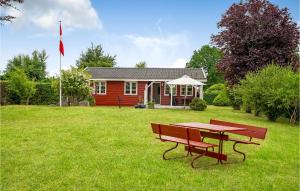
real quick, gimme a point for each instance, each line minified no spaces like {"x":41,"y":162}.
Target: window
{"x":130,"y":88}
{"x":100,"y":87}
{"x":189,"y":91}
{"x":167,"y":90}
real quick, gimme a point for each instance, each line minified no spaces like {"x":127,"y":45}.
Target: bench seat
{"x":184,"y":141}
{"x":242,"y":141}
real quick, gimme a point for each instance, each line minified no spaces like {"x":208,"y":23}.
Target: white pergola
{"x":187,"y":81}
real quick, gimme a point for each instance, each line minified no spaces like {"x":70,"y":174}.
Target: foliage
{"x":75,"y":86}
{"x":91,"y":100}
{"x":34,"y":66}
{"x":221,"y":99}
{"x":20,"y":88}
{"x":3,"y":92}
{"x":253,"y":34}
{"x":45,"y":94}
{"x":212,"y":92}
{"x":272,"y":90}
{"x":207,"y":58}
{"x":8,"y":3}
{"x":95,"y":57}
{"x":150,"y":105}
{"x":141,"y":64}
{"x":198,"y":104}
{"x":234,"y":97}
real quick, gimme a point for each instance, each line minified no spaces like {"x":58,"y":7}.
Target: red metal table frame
{"x":213,"y":128}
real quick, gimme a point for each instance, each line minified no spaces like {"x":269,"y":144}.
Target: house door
{"x":156,"y":93}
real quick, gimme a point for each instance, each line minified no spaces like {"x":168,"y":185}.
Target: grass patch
{"x":106,"y":148}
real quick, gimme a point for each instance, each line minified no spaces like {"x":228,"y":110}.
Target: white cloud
{"x":157,"y":51}
{"x":179,"y":63}
{"x":46,"y":14}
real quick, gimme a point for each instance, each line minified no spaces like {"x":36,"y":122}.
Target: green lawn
{"x":106,"y":148}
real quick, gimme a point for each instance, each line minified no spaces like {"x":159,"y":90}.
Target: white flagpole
{"x":60,"y":91}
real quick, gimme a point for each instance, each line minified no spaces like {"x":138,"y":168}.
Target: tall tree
{"x":34,"y":66}
{"x":256,"y":33}
{"x":95,"y":57}
{"x":141,"y":64}
{"x":8,"y":3}
{"x":207,"y":58}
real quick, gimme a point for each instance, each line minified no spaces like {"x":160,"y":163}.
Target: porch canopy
{"x":184,"y":80}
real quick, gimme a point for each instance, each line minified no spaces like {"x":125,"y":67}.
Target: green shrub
{"x":150,"y":105}
{"x":198,"y":104}
{"x":212,"y":92}
{"x":3,"y":92}
{"x":234,"y":97}
{"x":44,"y":95}
{"x":91,"y":100}
{"x":273,"y":91}
{"x":221,"y":100}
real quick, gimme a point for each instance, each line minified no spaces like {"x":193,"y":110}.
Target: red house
{"x":130,"y":86}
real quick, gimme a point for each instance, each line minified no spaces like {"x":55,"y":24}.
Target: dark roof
{"x":145,"y":73}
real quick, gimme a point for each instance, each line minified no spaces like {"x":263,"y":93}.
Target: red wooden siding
{"x":115,"y":89}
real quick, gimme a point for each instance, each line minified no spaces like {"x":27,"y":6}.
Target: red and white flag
{"x":61,"y":45}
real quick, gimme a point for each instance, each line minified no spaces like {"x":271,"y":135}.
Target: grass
{"x":106,"y":148}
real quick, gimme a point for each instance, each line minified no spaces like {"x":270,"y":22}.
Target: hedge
{"x":45,"y":94}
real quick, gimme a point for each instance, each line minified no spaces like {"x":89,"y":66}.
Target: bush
{"x":212,"y":92}
{"x":273,"y":90}
{"x":234,"y":97}
{"x":3,"y":92}
{"x":150,"y":105}
{"x":198,"y":104}
{"x":221,"y":100}
{"x":44,"y":95}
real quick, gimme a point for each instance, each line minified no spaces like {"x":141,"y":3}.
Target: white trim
{"x":186,"y":90}
{"x":204,"y":73}
{"x":130,"y":87}
{"x":166,"y":85}
{"x":99,"y":81}
{"x":142,"y":80}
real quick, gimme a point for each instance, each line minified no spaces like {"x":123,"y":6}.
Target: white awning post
{"x":145,"y":95}
{"x":196,"y":89}
{"x":201,"y":91}
{"x":171,"y":90}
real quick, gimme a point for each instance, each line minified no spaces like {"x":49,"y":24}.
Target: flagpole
{"x":60,"y":91}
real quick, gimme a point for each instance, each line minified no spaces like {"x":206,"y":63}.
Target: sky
{"x":164,"y":33}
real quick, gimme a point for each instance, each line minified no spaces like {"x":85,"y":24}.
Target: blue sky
{"x":164,"y":33}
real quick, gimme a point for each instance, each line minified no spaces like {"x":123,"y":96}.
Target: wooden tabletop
{"x":211,"y":127}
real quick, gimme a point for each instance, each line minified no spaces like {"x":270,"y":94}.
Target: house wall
{"x":115,"y":89}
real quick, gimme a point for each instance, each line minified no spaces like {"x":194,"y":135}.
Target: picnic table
{"x":219,"y":129}
{"x":192,"y":135}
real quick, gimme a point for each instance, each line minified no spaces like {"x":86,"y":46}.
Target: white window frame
{"x":186,"y":91}
{"x":130,"y":87}
{"x":165,"y":89}
{"x":99,"y":93}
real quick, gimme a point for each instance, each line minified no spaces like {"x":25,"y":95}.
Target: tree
{"x":95,"y":57}
{"x":34,"y":66}
{"x":75,"y":86}
{"x":8,"y":3}
{"x":207,"y":58}
{"x":141,"y":64}
{"x":273,"y":90}
{"x":254,"y":34}
{"x":20,"y":88}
